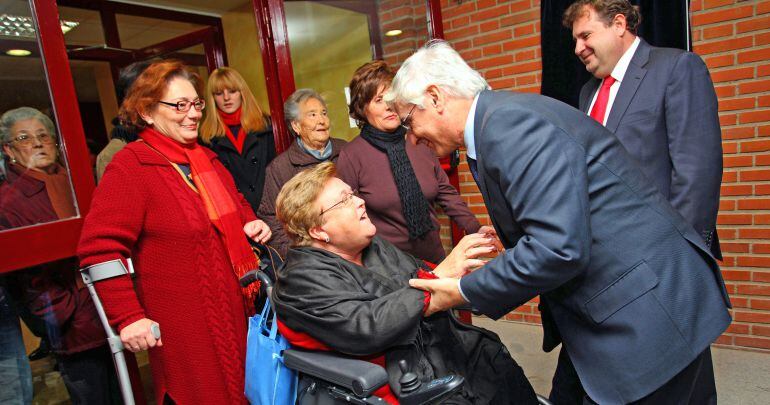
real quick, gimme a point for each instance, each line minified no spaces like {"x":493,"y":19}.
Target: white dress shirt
{"x":618,"y":73}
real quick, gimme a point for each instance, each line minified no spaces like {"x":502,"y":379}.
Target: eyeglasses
{"x":29,"y":140}
{"x":184,"y":105}
{"x":345,"y":201}
{"x":407,"y":121}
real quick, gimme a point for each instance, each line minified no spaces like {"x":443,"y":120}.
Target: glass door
{"x":329,"y":40}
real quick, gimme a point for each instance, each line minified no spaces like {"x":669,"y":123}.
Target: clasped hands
{"x":464,"y":258}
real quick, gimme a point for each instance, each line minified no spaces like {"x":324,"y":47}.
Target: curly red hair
{"x":149,"y":88}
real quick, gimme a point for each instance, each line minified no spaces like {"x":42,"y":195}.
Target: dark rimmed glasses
{"x":184,"y":106}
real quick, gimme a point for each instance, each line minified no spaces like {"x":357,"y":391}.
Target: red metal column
{"x":436,"y":31}
{"x":279,"y":75}
{"x":43,"y":243}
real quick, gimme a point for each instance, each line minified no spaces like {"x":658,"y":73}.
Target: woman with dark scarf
{"x":169,"y":204}
{"x":238,"y":132}
{"x":121,"y":133}
{"x":399,"y":181}
{"x":38,"y":190}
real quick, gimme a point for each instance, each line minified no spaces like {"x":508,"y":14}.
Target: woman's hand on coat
{"x":139,"y":336}
{"x":258,"y":231}
{"x":464,"y":258}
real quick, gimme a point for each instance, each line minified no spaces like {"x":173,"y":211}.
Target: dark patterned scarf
{"x":414,"y":206}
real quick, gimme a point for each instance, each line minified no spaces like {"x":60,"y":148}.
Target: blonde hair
{"x":296,"y":206}
{"x":252,"y":117}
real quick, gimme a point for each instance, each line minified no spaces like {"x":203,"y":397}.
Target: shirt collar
{"x":620,"y":68}
{"x":468,"y":136}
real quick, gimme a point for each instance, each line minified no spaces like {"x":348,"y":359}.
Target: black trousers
{"x":90,"y":377}
{"x":693,"y":385}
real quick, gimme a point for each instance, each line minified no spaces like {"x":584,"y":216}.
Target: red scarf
{"x":57,"y":186}
{"x":220,"y":205}
{"x":230,"y":120}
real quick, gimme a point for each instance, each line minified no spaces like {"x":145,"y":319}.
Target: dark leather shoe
{"x":41,"y":352}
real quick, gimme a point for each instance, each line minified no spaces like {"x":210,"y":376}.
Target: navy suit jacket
{"x":666,"y":116}
{"x":632,"y":288}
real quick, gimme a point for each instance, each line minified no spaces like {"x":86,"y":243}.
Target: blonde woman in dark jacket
{"x":238,"y":131}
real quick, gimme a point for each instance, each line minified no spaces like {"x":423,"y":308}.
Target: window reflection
{"x":37,"y":187}
{"x":52,"y":346}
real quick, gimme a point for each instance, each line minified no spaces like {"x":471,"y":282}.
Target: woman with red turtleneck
{"x":238,"y":132}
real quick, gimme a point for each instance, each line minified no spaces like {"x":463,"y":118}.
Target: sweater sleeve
{"x":266,"y":212}
{"x":110,"y":232}
{"x":449,"y":199}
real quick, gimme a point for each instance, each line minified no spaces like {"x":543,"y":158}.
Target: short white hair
{"x":436,"y":63}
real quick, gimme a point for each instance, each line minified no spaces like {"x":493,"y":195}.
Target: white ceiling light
{"x":18,"y":52}
{"x":24,"y":27}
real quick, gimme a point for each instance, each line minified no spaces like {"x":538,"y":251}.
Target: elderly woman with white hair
{"x":306,"y":115}
{"x":38,"y":190}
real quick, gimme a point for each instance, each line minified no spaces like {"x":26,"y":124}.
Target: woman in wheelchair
{"x":344,"y":289}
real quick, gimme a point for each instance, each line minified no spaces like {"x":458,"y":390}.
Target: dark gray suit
{"x":666,"y":115}
{"x":633,"y":290}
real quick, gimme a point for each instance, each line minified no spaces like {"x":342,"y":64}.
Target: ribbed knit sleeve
{"x":110,"y":231}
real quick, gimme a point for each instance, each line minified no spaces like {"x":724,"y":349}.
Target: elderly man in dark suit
{"x":631,"y":288}
{"x":661,"y":104}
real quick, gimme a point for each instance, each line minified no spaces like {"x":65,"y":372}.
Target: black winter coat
{"x":363,"y":311}
{"x":248,"y":169}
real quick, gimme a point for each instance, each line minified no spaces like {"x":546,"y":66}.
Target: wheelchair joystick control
{"x":408,"y":381}
{"x":415,"y":392}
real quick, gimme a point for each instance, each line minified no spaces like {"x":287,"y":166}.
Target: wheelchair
{"x":327,"y":378}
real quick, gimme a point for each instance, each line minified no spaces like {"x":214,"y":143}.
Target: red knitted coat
{"x":144,"y":209}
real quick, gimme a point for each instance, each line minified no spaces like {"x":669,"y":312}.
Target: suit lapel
{"x":481,"y":108}
{"x":587,"y":93}
{"x":629,"y":85}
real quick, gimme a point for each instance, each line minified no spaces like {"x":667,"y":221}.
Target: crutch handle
{"x":155,"y":329}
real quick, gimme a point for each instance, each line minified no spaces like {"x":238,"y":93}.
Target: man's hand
{"x":464,"y":258}
{"x":444,"y":293}
{"x":258,"y":231}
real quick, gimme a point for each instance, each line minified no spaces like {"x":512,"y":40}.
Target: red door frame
{"x":42,"y":243}
{"x":276,"y":58}
{"x":46,"y":242}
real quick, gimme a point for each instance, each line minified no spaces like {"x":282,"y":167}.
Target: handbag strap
{"x":267,"y":310}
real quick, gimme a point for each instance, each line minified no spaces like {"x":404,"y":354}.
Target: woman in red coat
{"x":168,"y":203}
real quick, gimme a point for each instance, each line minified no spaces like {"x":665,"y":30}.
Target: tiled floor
{"x":743,"y":377}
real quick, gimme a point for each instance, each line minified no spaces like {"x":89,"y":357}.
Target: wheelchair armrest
{"x":359,"y":376}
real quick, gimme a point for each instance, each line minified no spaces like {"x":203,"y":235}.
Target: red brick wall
{"x":501,"y":39}
{"x":734,"y":39}
{"x":407,"y":16}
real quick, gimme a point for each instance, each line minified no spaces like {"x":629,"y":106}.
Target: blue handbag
{"x":268,"y":380}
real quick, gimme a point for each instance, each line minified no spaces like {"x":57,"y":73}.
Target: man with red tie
{"x":661,"y":104}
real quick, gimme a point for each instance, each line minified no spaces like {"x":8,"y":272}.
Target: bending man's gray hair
{"x":291,"y":105}
{"x":436,"y":63}
{"x":10,"y":117}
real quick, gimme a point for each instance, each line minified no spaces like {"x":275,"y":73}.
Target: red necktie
{"x":600,"y":106}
